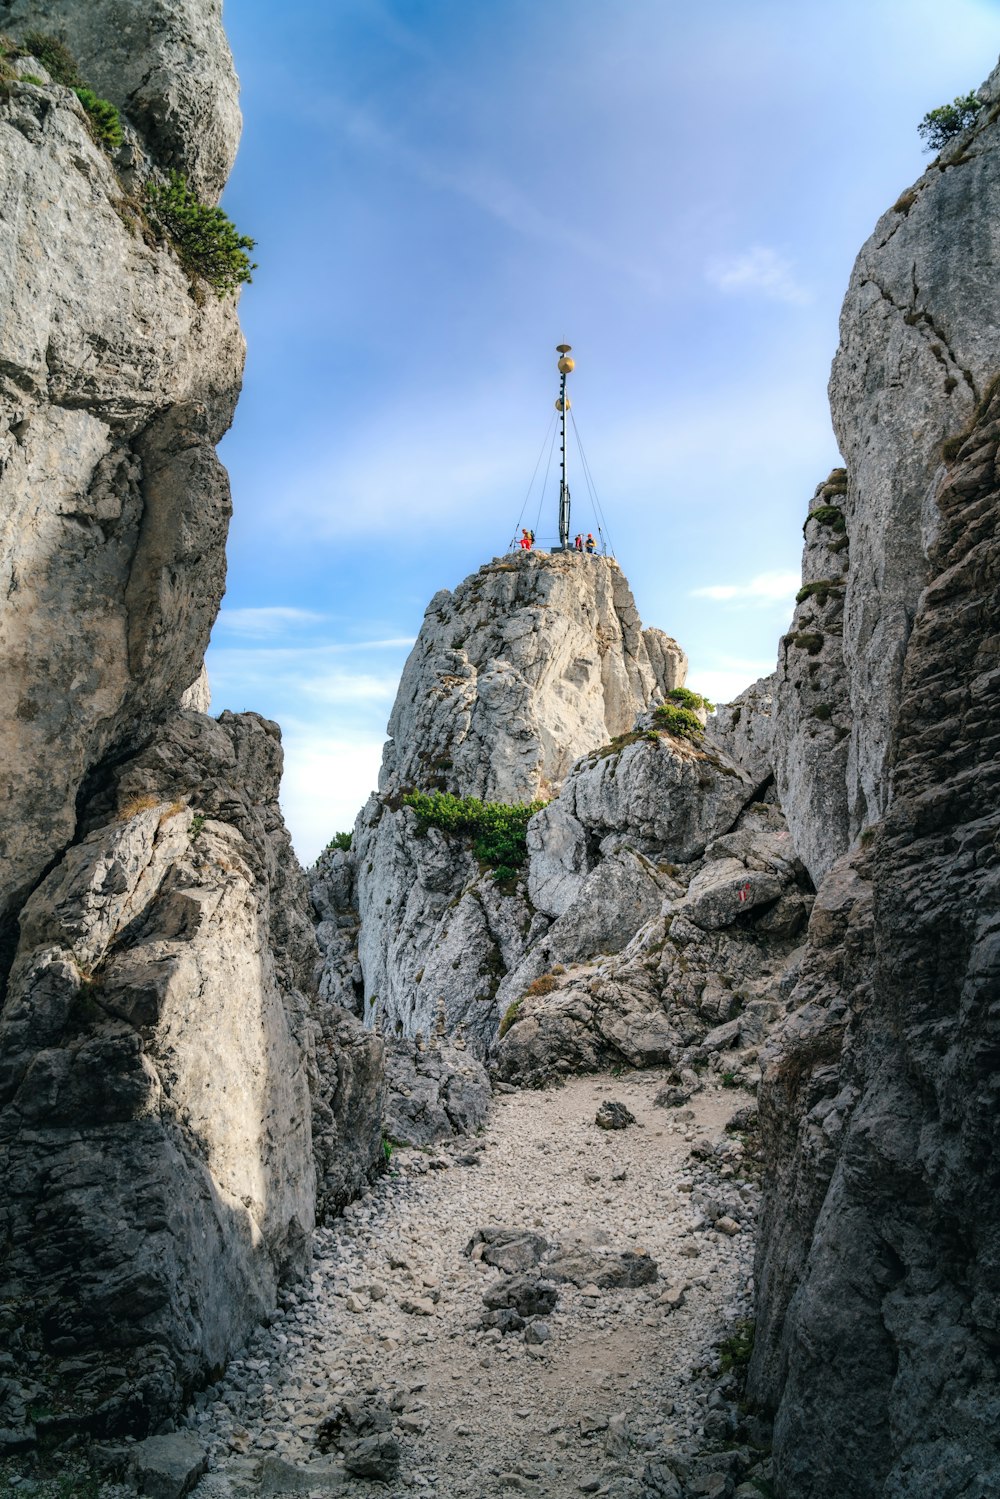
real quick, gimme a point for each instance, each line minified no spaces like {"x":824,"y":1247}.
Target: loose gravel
{"x":394,"y":1305}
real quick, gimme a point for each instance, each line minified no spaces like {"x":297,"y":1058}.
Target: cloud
{"x":326,"y":783}
{"x":760,"y":270}
{"x":265,"y":621}
{"x":727,"y":677}
{"x":765,"y":588}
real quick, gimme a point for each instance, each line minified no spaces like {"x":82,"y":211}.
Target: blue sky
{"x":442,"y":191}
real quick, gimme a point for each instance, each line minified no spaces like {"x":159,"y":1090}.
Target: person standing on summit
{"x":591,"y":544}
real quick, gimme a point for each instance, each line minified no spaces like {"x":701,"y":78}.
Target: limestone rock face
{"x":645,"y":965}
{"x":165,"y":63}
{"x":433,"y":928}
{"x":811,"y":715}
{"x":115,"y":386}
{"x":917,"y":352}
{"x":877,"y":1310}
{"x":434,"y":1092}
{"x":155,"y":1058}
{"x":667,"y":796}
{"x":166,"y":1069}
{"x":744,"y":730}
{"x":531,"y":662}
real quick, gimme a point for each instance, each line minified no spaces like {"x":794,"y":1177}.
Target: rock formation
{"x":534,"y":660}
{"x":166,"y":1069}
{"x":876,"y":1337}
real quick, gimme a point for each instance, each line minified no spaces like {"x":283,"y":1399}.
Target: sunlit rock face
{"x":116,"y":382}
{"x":175,"y":1101}
{"x":531,"y":662}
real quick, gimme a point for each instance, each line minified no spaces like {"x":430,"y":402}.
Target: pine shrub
{"x":941,"y":125}
{"x":105,"y":121}
{"x":685,"y":698}
{"x":207,"y":241}
{"x":679,"y":721}
{"x":497,"y":829}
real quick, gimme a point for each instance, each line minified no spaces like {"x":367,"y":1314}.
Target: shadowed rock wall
{"x":877,"y":1335}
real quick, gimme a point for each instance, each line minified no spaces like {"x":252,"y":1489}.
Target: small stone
{"x":613,"y":1115}
{"x":537,"y":1332}
{"x":373,"y":1457}
{"x":592,"y":1423}
{"x":354,"y":1303}
{"x":417,"y":1306}
{"x":727,"y":1226}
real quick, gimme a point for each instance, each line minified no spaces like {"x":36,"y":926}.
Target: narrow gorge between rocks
{"x":615,"y":1111}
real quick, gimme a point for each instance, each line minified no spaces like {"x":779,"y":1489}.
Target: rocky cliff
{"x":876,"y":1338}
{"x":532,"y":661}
{"x":165,"y":1067}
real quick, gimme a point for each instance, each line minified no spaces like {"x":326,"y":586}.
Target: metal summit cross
{"x":566,"y":364}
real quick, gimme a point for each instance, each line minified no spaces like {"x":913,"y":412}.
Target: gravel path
{"x":394,"y":1306}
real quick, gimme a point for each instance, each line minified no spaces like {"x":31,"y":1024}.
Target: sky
{"x":441,"y":191}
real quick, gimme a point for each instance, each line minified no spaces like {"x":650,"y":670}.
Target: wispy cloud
{"x":721,"y":678}
{"x":765,"y":588}
{"x":758,"y":270}
{"x":477,"y":182}
{"x":266,"y":621}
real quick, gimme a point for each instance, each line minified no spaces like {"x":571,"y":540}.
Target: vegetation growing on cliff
{"x":827,"y":515}
{"x":54,"y":56}
{"x":496,"y":828}
{"x":680,"y":721}
{"x":819,"y":590}
{"x":105,"y":121}
{"x":208,"y":244}
{"x":941,"y":125}
{"x":60,"y":64}
{"x":685,"y":698}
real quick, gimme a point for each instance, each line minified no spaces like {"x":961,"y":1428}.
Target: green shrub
{"x":32,"y":78}
{"x":341,"y":841}
{"x":679,"y":721}
{"x":510,"y":1016}
{"x":820,"y":590}
{"x":496,"y":828}
{"x":54,"y":56}
{"x":823,"y":712}
{"x":105,"y":121}
{"x":941,"y":125}
{"x":827,"y":515}
{"x":685,"y":698}
{"x":197,"y":823}
{"x":806,"y":640}
{"x":736,"y":1350}
{"x":207,"y":242}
